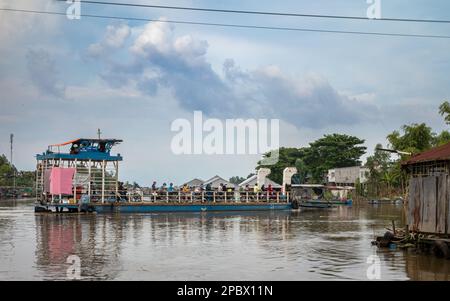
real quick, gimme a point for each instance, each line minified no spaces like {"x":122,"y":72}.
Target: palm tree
{"x":389,"y":178}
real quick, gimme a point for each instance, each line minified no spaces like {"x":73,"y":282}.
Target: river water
{"x":325,"y":244}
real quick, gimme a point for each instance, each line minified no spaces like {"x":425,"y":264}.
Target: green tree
{"x":6,"y":172}
{"x":389,"y":179}
{"x":312,"y":162}
{"x":415,"y":138}
{"x":444,"y":110}
{"x":236,"y":180}
{"x":442,"y":138}
{"x":288,"y":157}
{"x":332,"y":151}
{"x":378,"y":164}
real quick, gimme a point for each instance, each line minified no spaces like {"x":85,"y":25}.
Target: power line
{"x":234,"y":25}
{"x":252,"y":12}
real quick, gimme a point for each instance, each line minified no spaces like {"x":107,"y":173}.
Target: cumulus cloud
{"x":17,"y":27}
{"x":162,"y":59}
{"x":114,"y":38}
{"x":44,"y":74}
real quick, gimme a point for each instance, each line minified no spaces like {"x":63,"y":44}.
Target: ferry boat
{"x":85,"y":178}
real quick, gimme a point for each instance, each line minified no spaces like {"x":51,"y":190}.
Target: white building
{"x":348,"y":175}
{"x":194,"y":183}
{"x":216,"y":181}
{"x":253,"y":179}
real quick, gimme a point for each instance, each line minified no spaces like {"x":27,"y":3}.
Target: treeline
{"x":313,"y":162}
{"x":7,"y":172}
{"x":385,"y":177}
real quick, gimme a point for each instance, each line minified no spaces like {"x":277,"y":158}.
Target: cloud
{"x":159,"y":58}
{"x":114,"y":38}
{"x":16,"y":27}
{"x":44,"y":74}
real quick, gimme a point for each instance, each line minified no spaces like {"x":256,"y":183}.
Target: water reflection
{"x":285,"y":245}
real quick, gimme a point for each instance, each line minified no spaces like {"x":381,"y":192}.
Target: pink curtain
{"x":61,"y":180}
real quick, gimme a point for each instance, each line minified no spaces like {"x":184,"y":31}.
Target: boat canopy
{"x":83,"y":149}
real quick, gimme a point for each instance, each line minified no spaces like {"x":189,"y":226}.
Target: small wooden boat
{"x":313,"y":204}
{"x":319,"y":196}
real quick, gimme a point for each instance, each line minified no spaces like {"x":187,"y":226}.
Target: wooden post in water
{"x":75,"y":183}
{"x":89,"y":177}
{"x":103,"y":181}
{"x":60,"y":195}
{"x":278,"y":197}
{"x":117,"y":179}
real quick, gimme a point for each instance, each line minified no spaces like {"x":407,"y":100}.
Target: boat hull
{"x":315,"y":205}
{"x":143,"y":208}
{"x":163,"y":207}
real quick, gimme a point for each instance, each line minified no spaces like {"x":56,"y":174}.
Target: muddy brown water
{"x":317,"y":244}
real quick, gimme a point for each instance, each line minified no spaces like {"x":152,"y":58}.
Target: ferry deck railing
{"x":181,"y":197}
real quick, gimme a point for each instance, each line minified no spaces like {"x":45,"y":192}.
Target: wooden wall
{"x":429,"y":203}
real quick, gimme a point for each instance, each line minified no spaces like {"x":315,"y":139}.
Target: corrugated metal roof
{"x":435,"y":154}
{"x":87,"y":139}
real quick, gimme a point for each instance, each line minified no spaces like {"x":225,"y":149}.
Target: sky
{"x":62,"y":79}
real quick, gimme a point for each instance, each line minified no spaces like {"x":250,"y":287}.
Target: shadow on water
{"x":328,"y":244}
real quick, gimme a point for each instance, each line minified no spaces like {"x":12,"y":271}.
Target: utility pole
{"x":11,"y":140}
{"x":395,"y":151}
{"x":99,"y":133}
